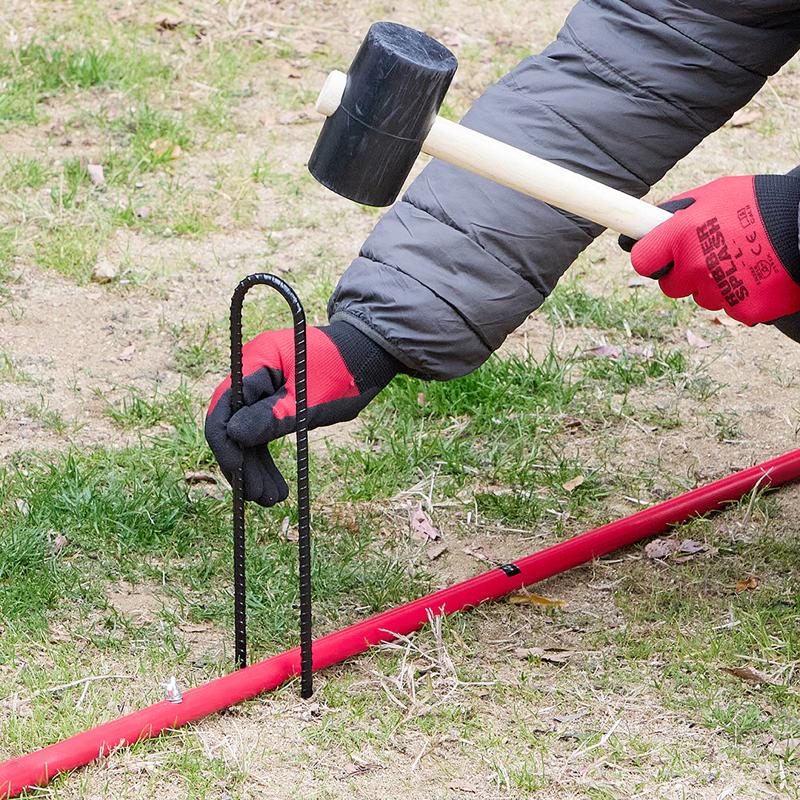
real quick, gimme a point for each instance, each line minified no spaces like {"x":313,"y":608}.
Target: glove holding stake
{"x":346,"y":370}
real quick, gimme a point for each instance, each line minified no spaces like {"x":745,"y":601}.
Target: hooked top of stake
{"x":395,"y":85}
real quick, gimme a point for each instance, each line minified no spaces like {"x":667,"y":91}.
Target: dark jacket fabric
{"x":625,"y":91}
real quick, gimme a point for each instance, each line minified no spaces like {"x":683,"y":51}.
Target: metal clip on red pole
{"x":303,"y":498}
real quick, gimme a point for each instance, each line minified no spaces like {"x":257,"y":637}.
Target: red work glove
{"x":346,"y":370}
{"x":732,"y":245}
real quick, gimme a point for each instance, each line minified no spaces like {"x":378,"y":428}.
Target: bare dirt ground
{"x":82,"y":345}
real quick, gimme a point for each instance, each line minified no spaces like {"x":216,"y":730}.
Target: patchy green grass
{"x":39,"y":70}
{"x":637,"y":312}
{"x":128,"y":514}
{"x":24,"y":173}
{"x":68,"y":249}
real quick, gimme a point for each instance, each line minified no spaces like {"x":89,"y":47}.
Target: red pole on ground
{"x":38,"y":768}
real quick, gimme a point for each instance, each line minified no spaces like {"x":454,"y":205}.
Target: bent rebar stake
{"x":303,"y":497}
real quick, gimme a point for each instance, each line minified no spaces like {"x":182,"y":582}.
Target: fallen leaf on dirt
{"x":199,"y":476}
{"x":604,"y":351}
{"x":165,"y":147}
{"x":466,"y":786}
{"x":475,"y":553}
{"x":531,"y":599}
{"x":784,"y":747}
{"x":104,"y":271}
{"x":421,"y":526}
{"x":196,"y":628}
{"x":96,"y":175}
{"x":743,"y":584}
{"x":127,"y":353}
{"x":168,"y":23}
{"x":528,"y":652}
{"x":435,"y":550}
{"x":725,"y":321}
{"x":691,"y":547}
{"x":744,"y":116}
{"x":295,"y":117}
{"x":569,"y":717}
{"x":696,"y":341}
{"x":573,"y":483}
{"x":683,"y":550}
{"x":751,"y":675}
{"x":660,"y":548}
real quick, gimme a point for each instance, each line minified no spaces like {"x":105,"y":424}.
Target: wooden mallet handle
{"x":526,"y":173}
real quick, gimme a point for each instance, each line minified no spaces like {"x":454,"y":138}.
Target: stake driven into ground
{"x":114,"y":524}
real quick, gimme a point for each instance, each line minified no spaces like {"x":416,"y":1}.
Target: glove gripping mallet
{"x":383,"y":112}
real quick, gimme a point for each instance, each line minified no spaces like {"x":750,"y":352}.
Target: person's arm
{"x":626,"y":90}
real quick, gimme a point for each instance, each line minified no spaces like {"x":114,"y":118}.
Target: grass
{"x":69,"y":250}
{"x":39,"y":70}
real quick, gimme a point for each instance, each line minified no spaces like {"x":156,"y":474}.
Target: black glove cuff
{"x":370,"y":365}
{"x":778,"y":198}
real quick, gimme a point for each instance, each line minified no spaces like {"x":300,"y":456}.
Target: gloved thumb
{"x":262,"y":422}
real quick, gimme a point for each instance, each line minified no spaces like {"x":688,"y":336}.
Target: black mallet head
{"x":393,"y":91}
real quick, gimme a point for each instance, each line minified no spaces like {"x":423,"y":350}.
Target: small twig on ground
{"x":91,"y":679}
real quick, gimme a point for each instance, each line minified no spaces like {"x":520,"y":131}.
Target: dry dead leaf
{"x":696,"y":341}
{"x":681,"y":550}
{"x":744,"y":116}
{"x":660,"y":548}
{"x":199,"y":476}
{"x":751,"y":675}
{"x":296,"y":117}
{"x":528,"y":652}
{"x":573,"y":483}
{"x":421,"y":526}
{"x":22,"y":506}
{"x":475,"y":552}
{"x":743,"y":584}
{"x":435,"y":550}
{"x":531,"y":599}
{"x":96,"y":174}
{"x":691,"y":547}
{"x":168,"y":23}
{"x":604,"y":351}
{"x":725,"y":321}
{"x":785,"y":747}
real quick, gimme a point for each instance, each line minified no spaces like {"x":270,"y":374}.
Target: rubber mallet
{"x":383,"y":112}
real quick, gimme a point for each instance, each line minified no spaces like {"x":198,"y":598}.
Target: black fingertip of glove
{"x":263,"y":482}
{"x":627,"y":243}
{"x":228,"y":455}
